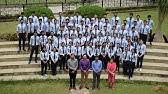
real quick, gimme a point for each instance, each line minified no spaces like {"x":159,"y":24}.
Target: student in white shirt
{"x":30,"y":30}
{"x":132,"y":63}
{"x":114,"y":18}
{"x":144,"y":32}
{"x":125,"y":59}
{"x":141,"y":49}
{"x":63,"y":56}
{"x":130,"y":20}
{"x":34,"y":43}
{"x":150,"y":23}
{"x":43,"y":39}
{"x":21,"y":30}
{"x":54,"y":61}
{"x":22,"y":16}
{"x":44,"y":57}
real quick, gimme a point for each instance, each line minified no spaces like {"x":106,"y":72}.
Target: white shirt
{"x":44,"y":56}
{"x":43,"y":40}
{"x":145,"y":29}
{"x":54,"y":56}
{"x":21,"y":28}
{"x":34,"y":40}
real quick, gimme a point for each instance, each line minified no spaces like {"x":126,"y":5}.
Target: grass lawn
{"x":10,"y":27}
{"x":61,"y":87}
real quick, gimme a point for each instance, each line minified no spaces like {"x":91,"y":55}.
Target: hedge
{"x":39,"y":10}
{"x":91,"y":10}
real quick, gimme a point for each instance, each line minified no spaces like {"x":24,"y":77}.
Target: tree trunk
{"x":159,"y":35}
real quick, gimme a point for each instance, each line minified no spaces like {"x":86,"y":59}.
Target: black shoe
{"x":80,"y":87}
{"x":87,"y":87}
{"x":19,"y":51}
{"x":29,"y":62}
{"x":74,"y":88}
{"x":70,"y":88}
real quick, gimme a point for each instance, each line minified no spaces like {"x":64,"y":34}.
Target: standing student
{"x":72,"y":66}
{"x":150,"y":23}
{"x":84,"y":66}
{"x":141,"y":52}
{"x":63,"y":52}
{"x":144,"y":32}
{"x":111,"y":69}
{"x":34,"y":43}
{"x":97,"y":68}
{"x":21,"y":33}
{"x":54,"y":61}
{"x":30,"y":30}
{"x":132,"y":63}
{"x":44,"y":56}
{"x":125,"y":59}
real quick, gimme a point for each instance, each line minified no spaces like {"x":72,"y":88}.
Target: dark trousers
{"x":29,"y":36}
{"x":72,"y":78}
{"x":117,"y":62}
{"x":78,"y":58}
{"x":54,"y":68}
{"x":49,"y":63}
{"x":96,"y":79}
{"x":104,"y":59}
{"x":91,"y":59}
{"x":43,"y":68}
{"x":140,"y":61}
{"x":22,"y":37}
{"x":34,"y":48}
{"x":144,"y":38}
{"x":131,"y":66}
{"x":150,"y":37}
{"x":125,"y":67}
{"x":62,"y":62}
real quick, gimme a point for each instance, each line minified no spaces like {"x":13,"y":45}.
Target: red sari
{"x":112,"y":68}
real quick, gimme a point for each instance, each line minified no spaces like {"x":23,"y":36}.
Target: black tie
{"x":77,"y":50}
{"x":44,"y":56}
{"x":54,"y":55}
{"x":70,"y":49}
{"x":126,"y":55}
{"x":43,"y":39}
{"x":58,"y":42}
{"x":63,"y":50}
{"x":35,"y":41}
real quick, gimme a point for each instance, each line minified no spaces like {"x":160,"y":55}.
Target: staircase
{"x":14,"y":66}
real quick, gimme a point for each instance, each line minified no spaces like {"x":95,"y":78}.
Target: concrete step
{"x":156,"y":45}
{"x":24,"y":64}
{"x":8,"y":44}
{"x":18,"y":64}
{"x":155,"y":66}
{"x":66,"y":76}
{"x":25,"y":57}
{"x":157,"y":52}
{"x":155,"y":59}
{"x":32,"y":71}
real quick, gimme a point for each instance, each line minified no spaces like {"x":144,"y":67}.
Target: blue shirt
{"x":97,"y":66}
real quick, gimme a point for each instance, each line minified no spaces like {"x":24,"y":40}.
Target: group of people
{"x":92,"y":40}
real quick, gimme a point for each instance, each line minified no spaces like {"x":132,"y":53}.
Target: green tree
{"x":163,"y":13}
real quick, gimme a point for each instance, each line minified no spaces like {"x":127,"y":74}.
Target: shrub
{"x":39,"y":10}
{"x":91,"y":10}
{"x":9,"y":36}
